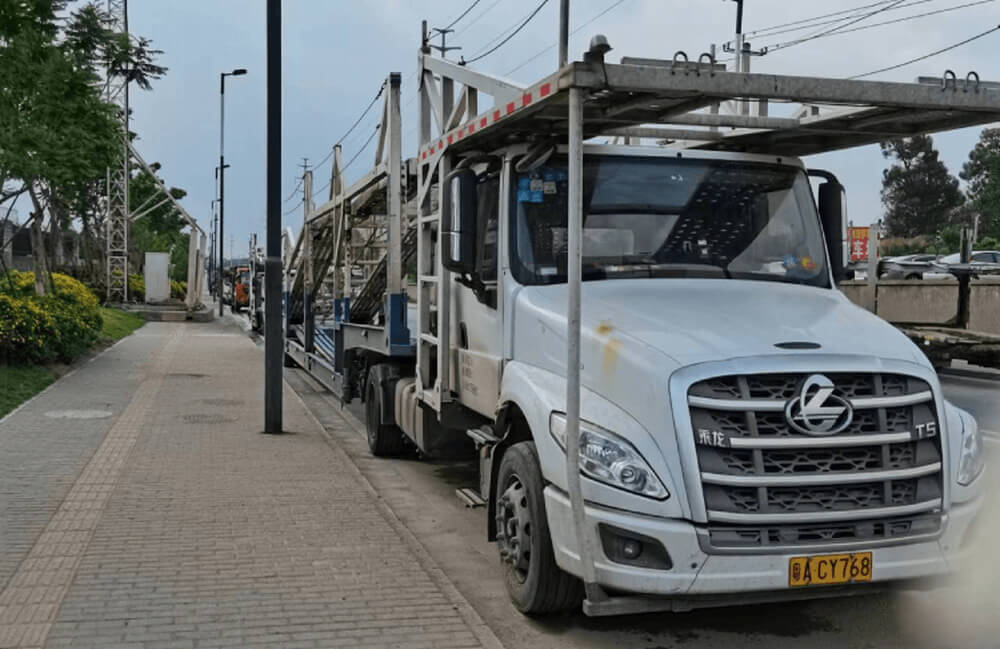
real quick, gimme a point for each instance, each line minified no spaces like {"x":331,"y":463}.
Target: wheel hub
{"x":514,"y":527}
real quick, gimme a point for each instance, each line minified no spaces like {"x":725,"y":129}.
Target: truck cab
{"x":738,"y":413}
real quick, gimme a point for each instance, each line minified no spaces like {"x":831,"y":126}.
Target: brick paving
{"x":189,"y":528}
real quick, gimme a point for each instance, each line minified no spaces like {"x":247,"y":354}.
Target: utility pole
{"x":443,"y":47}
{"x":563,"y":32}
{"x":741,"y":52}
{"x":274,"y":344}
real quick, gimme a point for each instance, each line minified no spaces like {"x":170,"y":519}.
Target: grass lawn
{"x":118,"y":323}
{"x":21,"y":382}
{"x":18,"y":383}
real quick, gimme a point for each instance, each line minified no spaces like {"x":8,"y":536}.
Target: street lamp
{"x":238,"y":72}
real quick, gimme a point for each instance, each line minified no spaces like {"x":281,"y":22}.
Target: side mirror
{"x":458,"y":222}
{"x":831,"y":213}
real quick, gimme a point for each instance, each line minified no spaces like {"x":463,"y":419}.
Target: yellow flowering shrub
{"x":137,"y":288}
{"x":178,"y":290}
{"x":34,"y":328}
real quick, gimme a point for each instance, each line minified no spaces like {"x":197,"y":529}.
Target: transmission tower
{"x":116,"y":88}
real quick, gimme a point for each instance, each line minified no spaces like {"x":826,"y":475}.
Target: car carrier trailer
{"x":668,"y":317}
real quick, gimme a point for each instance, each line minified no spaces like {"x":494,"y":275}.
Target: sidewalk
{"x":140,"y":506}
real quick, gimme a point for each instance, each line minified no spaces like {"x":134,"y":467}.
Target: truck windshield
{"x":671,"y":217}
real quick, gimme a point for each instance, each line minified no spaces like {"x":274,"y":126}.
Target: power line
{"x":343,"y":137}
{"x":294,"y":191}
{"x":816,"y":22}
{"x":509,"y":36}
{"x":833,"y":30}
{"x":295,"y":207}
{"x":761,"y":31}
{"x":898,"y":20}
{"x":464,"y":14}
{"x":927,"y":56}
{"x":613,"y":6}
{"x":355,"y":157}
{"x":478,"y":17}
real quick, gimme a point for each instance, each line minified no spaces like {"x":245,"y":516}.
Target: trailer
{"x":744,"y":433}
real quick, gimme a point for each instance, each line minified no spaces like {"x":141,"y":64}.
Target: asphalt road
{"x":422,"y":494}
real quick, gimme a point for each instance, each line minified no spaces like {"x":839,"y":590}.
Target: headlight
{"x":608,"y":458}
{"x":972,"y":460}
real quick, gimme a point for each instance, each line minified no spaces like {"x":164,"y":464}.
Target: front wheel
{"x":535,"y":583}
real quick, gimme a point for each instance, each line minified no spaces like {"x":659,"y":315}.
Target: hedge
{"x":137,"y":288}
{"x":43,"y":328}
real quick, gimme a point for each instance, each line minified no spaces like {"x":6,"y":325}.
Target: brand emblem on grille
{"x":817,"y":410}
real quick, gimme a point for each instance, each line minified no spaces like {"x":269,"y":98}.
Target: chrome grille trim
{"x":778,"y":405}
{"x":819,"y":478}
{"x":820,"y":442}
{"x":760,"y":405}
{"x":824,"y":517}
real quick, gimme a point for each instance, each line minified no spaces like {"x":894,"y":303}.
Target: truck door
{"x":477,"y":329}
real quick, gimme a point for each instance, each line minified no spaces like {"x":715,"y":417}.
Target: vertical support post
{"x":191,"y":299}
{"x":444,"y":296}
{"x":574,"y":280}
{"x":308,"y":265}
{"x":873,"y":267}
{"x":274,"y":344}
{"x":202,"y":259}
{"x":964,"y":279}
{"x":563,"y":33}
{"x":444,"y":283}
{"x":336,"y":219}
{"x":394,"y":257}
{"x":714,"y":108}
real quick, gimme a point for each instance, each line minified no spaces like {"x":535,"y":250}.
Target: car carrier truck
{"x":671,"y":403}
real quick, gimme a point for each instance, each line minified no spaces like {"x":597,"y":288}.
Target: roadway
{"x":422,"y":495}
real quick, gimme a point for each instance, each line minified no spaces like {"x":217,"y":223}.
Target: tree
{"x":159,"y":229}
{"x":982,"y":173}
{"x":918,"y":192}
{"x":59,"y":133}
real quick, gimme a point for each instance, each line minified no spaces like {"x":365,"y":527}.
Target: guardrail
{"x":929,"y":302}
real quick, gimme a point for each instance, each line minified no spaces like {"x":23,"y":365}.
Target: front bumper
{"x":696,"y":573}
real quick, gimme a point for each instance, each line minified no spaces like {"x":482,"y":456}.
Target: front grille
{"x":767,"y":484}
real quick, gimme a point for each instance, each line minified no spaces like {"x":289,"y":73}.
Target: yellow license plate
{"x":830,"y":569}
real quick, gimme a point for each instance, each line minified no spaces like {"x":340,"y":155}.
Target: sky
{"x":336,"y":54}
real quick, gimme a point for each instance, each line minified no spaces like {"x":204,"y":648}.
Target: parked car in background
{"x":906,"y":266}
{"x":984,"y":259}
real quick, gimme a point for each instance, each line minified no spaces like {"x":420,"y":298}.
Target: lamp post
{"x":222,"y":173}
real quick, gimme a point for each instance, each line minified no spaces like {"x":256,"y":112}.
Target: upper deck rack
{"x":642,"y":99}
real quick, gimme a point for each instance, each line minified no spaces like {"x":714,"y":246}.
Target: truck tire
{"x":535,"y":583}
{"x":384,"y":440}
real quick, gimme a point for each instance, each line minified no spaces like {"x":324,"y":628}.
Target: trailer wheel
{"x":384,"y":440}
{"x":535,"y":583}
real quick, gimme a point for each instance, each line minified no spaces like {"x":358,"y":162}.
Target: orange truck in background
{"x":241,"y":288}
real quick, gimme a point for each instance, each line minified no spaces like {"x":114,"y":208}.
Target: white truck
{"x":665,"y":316}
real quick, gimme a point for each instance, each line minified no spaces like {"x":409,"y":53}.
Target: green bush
{"x":987,"y":243}
{"x":41,"y":328}
{"x":137,"y":288}
{"x":178,"y":290}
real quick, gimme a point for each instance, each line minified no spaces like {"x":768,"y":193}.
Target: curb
{"x":475,"y":623}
